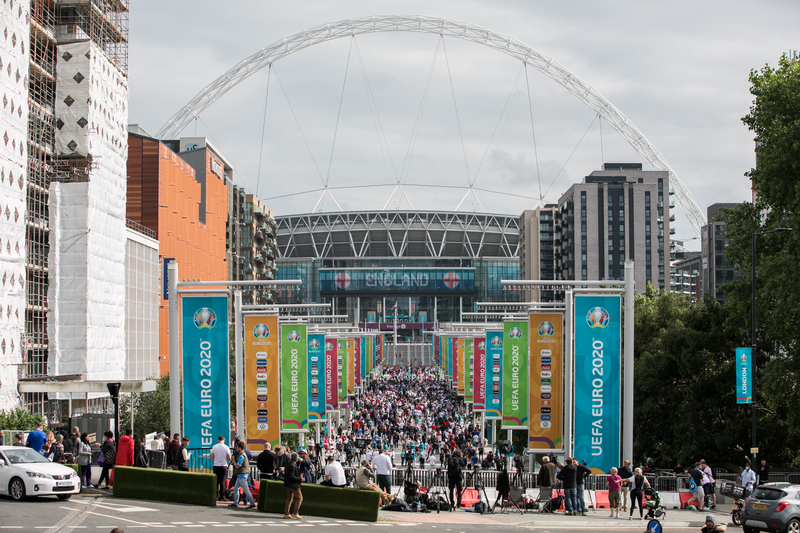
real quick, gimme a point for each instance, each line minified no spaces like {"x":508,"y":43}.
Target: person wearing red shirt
{"x":125,"y":450}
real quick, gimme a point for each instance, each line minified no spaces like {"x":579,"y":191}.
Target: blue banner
{"x":598,"y":329}
{"x":494,"y":375}
{"x":316,"y":377}
{"x":206,"y":382}
{"x":363,"y":367}
{"x":744,"y":369}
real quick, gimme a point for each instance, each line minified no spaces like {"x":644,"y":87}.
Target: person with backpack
{"x":696,"y":486}
{"x":637,"y":482}
{"x":454,"y":466}
{"x":108,"y":456}
{"x":242,"y":474}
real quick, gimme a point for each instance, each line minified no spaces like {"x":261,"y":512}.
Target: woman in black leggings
{"x":637,"y":483}
{"x":108,"y":464}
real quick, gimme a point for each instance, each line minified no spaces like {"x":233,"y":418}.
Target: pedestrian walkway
{"x":675,"y":518}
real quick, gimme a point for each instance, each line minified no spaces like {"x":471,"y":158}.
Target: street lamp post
{"x":753,"y":336}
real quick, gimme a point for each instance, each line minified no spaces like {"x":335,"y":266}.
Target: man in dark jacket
{"x":568,"y":475}
{"x":266,"y":462}
{"x":454,"y":466}
{"x":546,"y":479}
{"x":582,"y":474}
{"x":292,"y":480}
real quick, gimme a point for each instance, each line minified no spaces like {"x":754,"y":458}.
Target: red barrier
{"x":601,"y":499}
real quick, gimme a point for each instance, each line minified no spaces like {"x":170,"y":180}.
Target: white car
{"x":24,"y":472}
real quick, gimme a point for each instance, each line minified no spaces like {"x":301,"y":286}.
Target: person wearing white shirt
{"x":383,"y":471}
{"x":221,"y":455}
{"x":334,"y":474}
{"x":748,"y":478}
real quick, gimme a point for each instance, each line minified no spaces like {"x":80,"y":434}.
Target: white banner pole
{"x":627,"y":418}
{"x":174,"y":350}
{"x":239,"y":364}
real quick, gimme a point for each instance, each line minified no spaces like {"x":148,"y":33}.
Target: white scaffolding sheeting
{"x":86,"y":323}
{"x":14,"y":55}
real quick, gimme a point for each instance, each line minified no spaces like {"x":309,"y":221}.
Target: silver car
{"x":772,"y":507}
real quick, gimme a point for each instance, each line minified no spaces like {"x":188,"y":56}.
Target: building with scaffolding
{"x":64,"y":85}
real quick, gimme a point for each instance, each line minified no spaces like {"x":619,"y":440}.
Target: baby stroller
{"x":654,"y":505}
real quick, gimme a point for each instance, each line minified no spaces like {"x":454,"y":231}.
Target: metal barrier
{"x":200,"y":460}
{"x":666,"y":484}
{"x":156,"y":459}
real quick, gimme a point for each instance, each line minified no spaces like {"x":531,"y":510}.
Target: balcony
{"x":259,"y":237}
{"x":259,"y":259}
{"x":672,"y":231}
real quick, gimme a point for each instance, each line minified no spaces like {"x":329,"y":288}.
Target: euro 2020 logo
{"x":546,"y":329}
{"x":515,"y":333}
{"x":261,"y":331}
{"x":205,"y":318}
{"x":497,"y":342}
{"x":328,"y":346}
{"x":294,"y":336}
{"x":481,"y":346}
{"x":313,"y":344}
{"x":597,"y":317}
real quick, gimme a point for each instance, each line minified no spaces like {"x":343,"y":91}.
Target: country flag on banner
{"x":451,"y":280}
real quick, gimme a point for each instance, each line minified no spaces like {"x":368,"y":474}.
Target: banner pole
{"x":174,"y":351}
{"x":627,"y":418}
{"x":568,"y":373}
{"x":239,"y":365}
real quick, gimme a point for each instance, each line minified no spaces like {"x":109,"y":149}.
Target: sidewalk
{"x":674,"y":518}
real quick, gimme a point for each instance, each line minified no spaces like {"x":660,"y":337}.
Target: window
{"x":583,"y":198}
{"x":610,"y":215}
{"x":583,"y":258}
{"x":610,"y":244}
{"x":647,"y":198}
{"x":622,"y":228}
{"x":622,"y":244}
{"x":622,"y":214}
{"x":583,"y":213}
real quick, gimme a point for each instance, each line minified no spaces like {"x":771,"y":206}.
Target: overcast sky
{"x":677,"y":69}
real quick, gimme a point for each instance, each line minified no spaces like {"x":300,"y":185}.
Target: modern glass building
{"x":432,"y":265}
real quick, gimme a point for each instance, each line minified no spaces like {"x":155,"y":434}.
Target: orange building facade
{"x":186,"y":205}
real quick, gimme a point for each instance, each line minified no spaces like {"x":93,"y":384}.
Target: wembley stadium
{"x":433,"y":264}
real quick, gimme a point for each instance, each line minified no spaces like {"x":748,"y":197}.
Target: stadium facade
{"x":434,"y":265}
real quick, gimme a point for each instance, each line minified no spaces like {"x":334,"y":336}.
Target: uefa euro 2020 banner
{"x":598,"y":329}
{"x":469,"y":363}
{"x":206,"y":382}
{"x":341,"y":365}
{"x":294,"y":379}
{"x":331,"y":375}
{"x":479,"y":369}
{"x":546,"y":402}
{"x":515,"y":375}
{"x":261,"y":381}
{"x":316,"y":378}
{"x":494,"y":375}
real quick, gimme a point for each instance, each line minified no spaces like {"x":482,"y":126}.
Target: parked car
{"x":772,"y":507}
{"x":24,"y":473}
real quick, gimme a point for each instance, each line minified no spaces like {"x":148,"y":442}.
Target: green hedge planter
{"x":329,"y":502}
{"x":76,"y":468}
{"x":165,"y":485}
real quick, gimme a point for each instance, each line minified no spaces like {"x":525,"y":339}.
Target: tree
{"x":150,"y":410}
{"x":684,"y":387}
{"x":774,"y":118}
{"x":20,"y":419}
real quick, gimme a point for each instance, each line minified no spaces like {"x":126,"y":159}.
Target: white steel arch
{"x":447,"y":28}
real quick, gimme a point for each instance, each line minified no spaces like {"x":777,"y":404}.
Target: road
{"x":103,"y":512}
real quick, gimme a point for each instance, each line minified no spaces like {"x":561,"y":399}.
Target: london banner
{"x":545,"y":428}
{"x":261,"y":381}
{"x":316,"y":378}
{"x":479,"y":395}
{"x":206,"y":383}
{"x":744,"y":370}
{"x":294,"y":380}
{"x":515,"y":375}
{"x":331,"y":376}
{"x":598,"y":354}
{"x":494,"y":375}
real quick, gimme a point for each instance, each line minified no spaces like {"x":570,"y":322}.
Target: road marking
{"x":224,"y":525}
{"x":10,"y":527}
{"x":122,"y":508}
{"x":195,"y":525}
{"x":179,"y":523}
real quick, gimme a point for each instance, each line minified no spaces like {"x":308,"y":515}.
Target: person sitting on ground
{"x":334,"y":473}
{"x":711,"y":525}
{"x":365,"y":480}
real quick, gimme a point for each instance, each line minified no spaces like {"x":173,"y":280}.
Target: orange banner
{"x":261,"y":378}
{"x":545,"y":427}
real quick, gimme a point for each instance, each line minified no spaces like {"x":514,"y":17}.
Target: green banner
{"x":469,"y":363}
{"x":515,"y":375}
{"x":294,"y":379}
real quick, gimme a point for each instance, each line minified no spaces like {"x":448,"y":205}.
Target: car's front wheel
{"x":63,"y":496}
{"x":17,"y":489}
{"x":793,"y":526}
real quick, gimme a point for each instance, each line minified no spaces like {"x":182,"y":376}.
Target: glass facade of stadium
{"x":427,"y":290}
